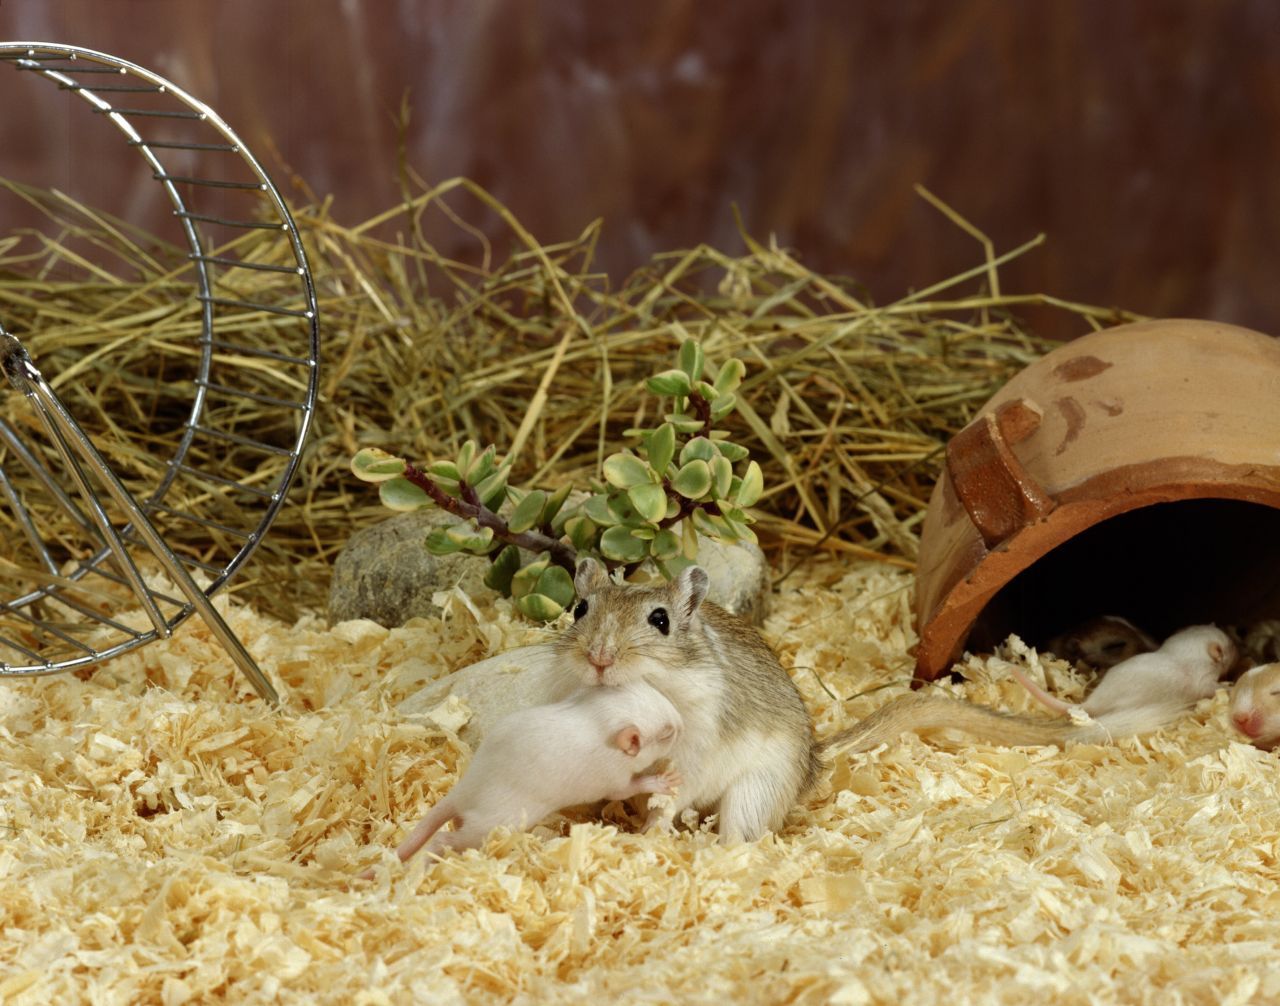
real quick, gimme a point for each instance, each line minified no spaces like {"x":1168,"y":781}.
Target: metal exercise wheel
{"x":144,"y":454}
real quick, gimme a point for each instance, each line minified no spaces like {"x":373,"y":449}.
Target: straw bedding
{"x":168,"y":839}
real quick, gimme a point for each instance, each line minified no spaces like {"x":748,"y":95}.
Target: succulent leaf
{"x":661,"y":448}
{"x":618,"y":544}
{"x":691,"y":359}
{"x":670,"y":382}
{"x":372,"y":464}
{"x":539,"y":607}
{"x":693,"y":480}
{"x":649,"y":500}
{"x":752,"y":486}
{"x":528,"y":512}
{"x":502,"y":569}
{"x":625,"y":470}
{"x":730,"y":375}
{"x":402,"y":495}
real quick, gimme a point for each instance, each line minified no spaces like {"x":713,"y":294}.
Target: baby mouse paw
{"x":668,"y":782}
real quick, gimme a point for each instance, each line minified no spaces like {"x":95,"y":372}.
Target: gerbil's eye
{"x":579,"y":609}
{"x":659,"y":620}
{"x":1114,"y":648}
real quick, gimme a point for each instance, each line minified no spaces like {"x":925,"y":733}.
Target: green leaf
{"x":481,"y":467}
{"x":402,"y":495}
{"x":670,"y":382}
{"x":527,"y":512}
{"x":721,"y":476}
{"x":373,"y":464}
{"x":493,"y":490}
{"x":625,"y":470}
{"x":470,"y":538}
{"x":502,"y":569}
{"x":702,"y":523}
{"x":693,"y":480}
{"x":665,"y":544}
{"x":692,"y":358}
{"x":443,"y":470}
{"x":734,"y":452}
{"x":650,"y":501}
{"x":526,"y":578}
{"x":684,"y":423}
{"x":618,"y":544}
{"x":439,"y":542}
{"x":581,"y":532}
{"x":466,"y":454}
{"x":722,"y":406}
{"x":707,"y":391}
{"x":557,"y":584}
{"x":698,"y":448}
{"x":597,"y":508}
{"x":661,"y":448}
{"x":730,"y":375}
{"x":551,"y":509}
{"x":539,"y":607}
{"x":752,"y":486}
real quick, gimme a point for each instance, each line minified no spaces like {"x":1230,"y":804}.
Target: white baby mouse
{"x":1147,"y":696}
{"x":747,"y":749}
{"x":1184,"y":670}
{"x":1255,"y":705}
{"x":591,"y":746}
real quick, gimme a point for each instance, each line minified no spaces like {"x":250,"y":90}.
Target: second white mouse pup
{"x":594,"y":745}
{"x":1184,"y":670}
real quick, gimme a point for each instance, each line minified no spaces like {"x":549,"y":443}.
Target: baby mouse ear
{"x":628,"y":740}
{"x":590,"y":575}
{"x":689,"y":588}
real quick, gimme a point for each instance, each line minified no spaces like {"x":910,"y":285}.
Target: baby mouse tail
{"x":437,"y":817}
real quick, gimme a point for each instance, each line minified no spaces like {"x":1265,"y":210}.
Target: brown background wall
{"x":1141,"y":137}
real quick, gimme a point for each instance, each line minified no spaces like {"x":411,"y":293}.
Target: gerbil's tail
{"x":437,"y":817}
{"x":924,"y":714}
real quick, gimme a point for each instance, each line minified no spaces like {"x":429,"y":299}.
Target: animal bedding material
{"x":168,"y":839}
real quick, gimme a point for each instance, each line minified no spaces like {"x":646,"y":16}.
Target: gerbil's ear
{"x":589,"y":577}
{"x":628,"y":740}
{"x":689,"y":588}
{"x":1216,"y":652}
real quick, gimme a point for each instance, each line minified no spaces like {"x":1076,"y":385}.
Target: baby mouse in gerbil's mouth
{"x":747,"y":749}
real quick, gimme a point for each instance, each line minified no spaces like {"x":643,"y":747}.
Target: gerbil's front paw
{"x":669,"y":782}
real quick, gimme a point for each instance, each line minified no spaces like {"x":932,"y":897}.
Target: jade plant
{"x":682,"y":477}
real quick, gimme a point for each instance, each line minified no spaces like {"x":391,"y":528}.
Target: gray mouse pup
{"x":591,"y":746}
{"x":747,"y":750}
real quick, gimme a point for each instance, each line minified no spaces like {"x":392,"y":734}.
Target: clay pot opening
{"x":1163,"y":567}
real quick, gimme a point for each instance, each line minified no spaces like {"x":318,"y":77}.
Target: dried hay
{"x":847,"y":404}
{"x":168,"y":839}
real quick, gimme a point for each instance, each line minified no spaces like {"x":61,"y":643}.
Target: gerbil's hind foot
{"x":753,"y":806}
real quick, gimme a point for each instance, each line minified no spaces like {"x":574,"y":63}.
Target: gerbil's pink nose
{"x":1248,"y":723}
{"x":601,"y":661}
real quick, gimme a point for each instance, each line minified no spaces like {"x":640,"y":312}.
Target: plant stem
{"x":469,"y":507}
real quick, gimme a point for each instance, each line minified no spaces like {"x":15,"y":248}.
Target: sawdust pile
{"x":168,"y":839}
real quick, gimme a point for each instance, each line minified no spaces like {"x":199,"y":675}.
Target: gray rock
{"x":739,"y":575}
{"x":386,"y":574}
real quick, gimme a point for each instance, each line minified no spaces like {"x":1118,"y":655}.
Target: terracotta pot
{"x":1134,"y":471}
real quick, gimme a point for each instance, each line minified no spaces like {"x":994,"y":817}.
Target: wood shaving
{"x":169,"y":839}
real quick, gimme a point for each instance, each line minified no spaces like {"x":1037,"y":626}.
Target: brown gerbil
{"x":747,"y":749}
{"x":1255,"y":705}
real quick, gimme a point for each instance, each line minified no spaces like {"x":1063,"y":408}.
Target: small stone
{"x":739,"y":575}
{"x":386,"y":574}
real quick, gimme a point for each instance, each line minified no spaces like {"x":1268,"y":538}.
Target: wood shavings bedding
{"x":165,"y":838}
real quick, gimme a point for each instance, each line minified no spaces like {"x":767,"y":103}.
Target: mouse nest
{"x":168,"y":839}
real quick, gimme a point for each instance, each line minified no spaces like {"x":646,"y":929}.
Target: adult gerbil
{"x":747,"y":749}
{"x":1255,"y":705}
{"x":1101,"y":642}
{"x":1183,"y":670}
{"x":591,"y":746}
{"x":1165,"y":684}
